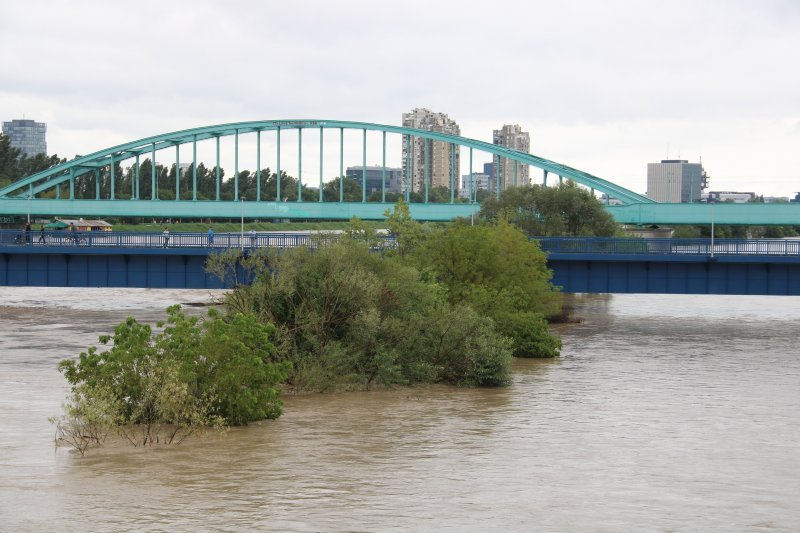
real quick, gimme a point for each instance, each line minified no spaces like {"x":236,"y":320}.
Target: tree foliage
{"x":15,"y":166}
{"x":162,"y":387}
{"x":350,"y":318}
{"x":497,"y":271}
{"x":551,"y":211}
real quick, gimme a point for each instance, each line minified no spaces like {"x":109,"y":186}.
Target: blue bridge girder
{"x":599,"y":265}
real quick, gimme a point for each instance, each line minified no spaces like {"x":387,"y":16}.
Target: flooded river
{"x":664,"y":413}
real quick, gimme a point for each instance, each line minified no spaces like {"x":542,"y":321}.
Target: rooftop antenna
{"x":667,"y":150}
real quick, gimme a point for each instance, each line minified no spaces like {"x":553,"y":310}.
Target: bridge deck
{"x":685,"y":266}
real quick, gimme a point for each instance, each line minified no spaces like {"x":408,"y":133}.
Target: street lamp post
{"x":29,"y":207}
{"x":241,"y":238}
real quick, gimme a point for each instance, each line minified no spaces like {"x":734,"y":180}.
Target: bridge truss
{"x":52,"y":191}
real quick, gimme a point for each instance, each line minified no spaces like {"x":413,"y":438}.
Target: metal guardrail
{"x":561,"y":245}
{"x":172,"y":240}
{"x":637,"y":246}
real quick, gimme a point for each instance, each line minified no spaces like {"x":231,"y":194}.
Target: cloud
{"x":604,"y":86}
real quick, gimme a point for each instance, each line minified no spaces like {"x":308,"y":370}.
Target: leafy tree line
{"x":15,"y":166}
{"x":565,"y":210}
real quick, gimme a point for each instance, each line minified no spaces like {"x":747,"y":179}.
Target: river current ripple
{"x":663,"y":413}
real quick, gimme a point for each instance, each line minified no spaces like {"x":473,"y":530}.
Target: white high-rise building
{"x":675,"y":181}
{"x":512,"y":172}
{"x":442,"y":158}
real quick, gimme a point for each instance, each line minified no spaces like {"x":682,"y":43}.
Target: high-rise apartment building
{"x":675,"y":181}
{"x":442,"y":158}
{"x":27,"y":135}
{"x":512,"y":172}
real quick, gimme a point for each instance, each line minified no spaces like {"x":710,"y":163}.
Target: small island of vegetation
{"x":450,"y":304}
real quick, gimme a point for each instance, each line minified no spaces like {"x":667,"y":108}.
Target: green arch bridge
{"x":52,"y":191}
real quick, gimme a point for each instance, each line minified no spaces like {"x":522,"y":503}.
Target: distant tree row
{"x":15,"y":166}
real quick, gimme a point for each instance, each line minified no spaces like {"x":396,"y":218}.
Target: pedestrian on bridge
{"x":210,"y":236}
{"x":27,"y":232}
{"x":41,"y":234}
{"x":166,"y":237}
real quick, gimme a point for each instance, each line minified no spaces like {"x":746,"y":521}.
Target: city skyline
{"x":609,"y":100}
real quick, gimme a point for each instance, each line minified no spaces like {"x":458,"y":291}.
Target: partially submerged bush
{"x":161,"y":388}
{"x":350,"y":318}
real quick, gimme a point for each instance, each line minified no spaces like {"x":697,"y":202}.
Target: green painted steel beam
{"x":228,"y":209}
{"x":662,"y":214}
{"x":124,"y":151}
{"x":733,"y":214}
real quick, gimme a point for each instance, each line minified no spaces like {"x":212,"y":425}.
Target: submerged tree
{"x":348,"y":317}
{"x":161,"y":388}
{"x":497,"y":271}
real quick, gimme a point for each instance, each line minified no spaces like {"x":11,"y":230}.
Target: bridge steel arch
{"x":29,"y":188}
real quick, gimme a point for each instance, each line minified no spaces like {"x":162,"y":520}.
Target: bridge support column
{"x":135,"y":191}
{"x":278,"y":180}
{"x":299,"y":164}
{"x":177,"y":172}
{"x":236,"y":166}
{"x":320,"y":163}
{"x":153,"y":187}
{"x":383,"y":171}
{"x":364,"y":167}
{"x":341,"y":164}
{"x":194,"y":168}
{"x":218,"y":177}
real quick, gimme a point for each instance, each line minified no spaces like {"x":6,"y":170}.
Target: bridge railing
{"x":660,"y":246}
{"x":171,"y":240}
{"x":561,"y":245}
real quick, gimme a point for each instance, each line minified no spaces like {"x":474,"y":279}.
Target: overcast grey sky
{"x":603,"y":86}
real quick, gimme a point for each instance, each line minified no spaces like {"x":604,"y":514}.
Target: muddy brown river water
{"x":664,"y":413}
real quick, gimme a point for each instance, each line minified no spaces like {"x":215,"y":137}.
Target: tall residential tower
{"x":442,"y":158}
{"x":512,"y":173}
